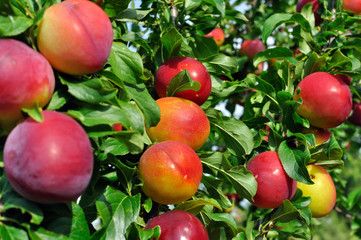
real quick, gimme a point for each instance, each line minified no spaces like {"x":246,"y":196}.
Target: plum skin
{"x":75,"y":36}
{"x":178,"y":225}
{"x":326,"y":99}
{"x":180,"y":120}
{"x":273,"y":184}
{"x":197,"y":71}
{"x":50,"y":161}
{"x":171,"y":172}
{"x":26,"y":78}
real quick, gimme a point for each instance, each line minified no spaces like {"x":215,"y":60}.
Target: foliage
{"x":114,"y":207}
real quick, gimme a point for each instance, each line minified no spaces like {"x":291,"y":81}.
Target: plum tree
{"x":196,"y":71}
{"x":49,"y":161}
{"x":181,"y":120}
{"x":26,"y":79}
{"x":75,"y":36}
{"x":171,"y":172}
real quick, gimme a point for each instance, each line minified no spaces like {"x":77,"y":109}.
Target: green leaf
{"x":294,"y":161}
{"x":353,"y":198}
{"x":241,"y":179}
{"x":145,"y":102}
{"x":328,"y":155}
{"x":181,"y":82}
{"x":79,"y":227}
{"x":171,"y":42}
{"x":274,"y":53}
{"x":120,"y":211}
{"x":12,"y":233}
{"x":339,"y":61}
{"x":23,"y":7}
{"x":91,"y":91}
{"x":127,"y":65}
{"x":314,"y":63}
{"x":127,"y":115}
{"x":285,"y":213}
{"x":43,"y":234}
{"x":12,"y":200}
{"x":113,"y":8}
{"x":14,"y":25}
{"x":225,"y":218}
{"x":219,"y":4}
{"x":221,"y":64}
{"x":237,"y":136}
{"x":34,"y":113}
{"x":191,"y":5}
{"x":152,"y":233}
{"x":132,"y":14}
{"x":279,"y":18}
{"x":58,"y":99}
{"x":204,"y":48}
{"x":127,"y":174}
{"x":214,"y":188}
{"x":196,"y":205}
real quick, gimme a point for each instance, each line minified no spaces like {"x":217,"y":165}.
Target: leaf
{"x":127,"y":115}
{"x":34,"y":113}
{"x":328,"y":155}
{"x":214,"y":188}
{"x":127,"y":174}
{"x":121,"y":211}
{"x":132,"y":14}
{"x":221,"y":64}
{"x":112,"y":7}
{"x":353,"y":198}
{"x":285,"y":213}
{"x":294,"y":161}
{"x":314,"y":63}
{"x":339,"y":61}
{"x":181,"y":82}
{"x":243,"y":182}
{"x":241,"y":179}
{"x":14,"y":25}
{"x":219,"y":4}
{"x":194,"y":206}
{"x":152,"y":233}
{"x":278,"y":18}
{"x":12,"y":200}
{"x":79,"y":227}
{"x":237,"y":136}
{"x":145,"y":102}
{"x":91,"y":91}
{"x":171,"y":41}
{"x":43,"y":234}
{"x":127,"y":65}
{"x":204,"y":48}
{"x":225,"y":218}
{"x":58,"y":99}
{"x":274,"y":53}
{"x":191,"y":5}
{"x":12,"y":233}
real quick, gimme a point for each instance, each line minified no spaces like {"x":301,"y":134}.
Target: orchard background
{"x":249,"y":113}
